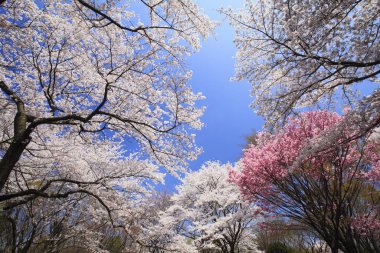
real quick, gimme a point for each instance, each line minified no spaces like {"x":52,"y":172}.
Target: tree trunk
{"x":10,"y":159}
{"x":21,"y":137}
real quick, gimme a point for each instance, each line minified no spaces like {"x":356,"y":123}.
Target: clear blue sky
{"x":228,"y":118}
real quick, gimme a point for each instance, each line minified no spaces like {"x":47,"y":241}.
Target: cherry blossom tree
{"x":330,"y":191}
{"x":301,"y":53}
{"x":46,"y":225}
{"x":110,"y":196}
{"x":208,"y":214}
{"x":97,"y":71}
{"x":155,"y":236}
{"x":94,"y":98}
{"x":77,"y":223}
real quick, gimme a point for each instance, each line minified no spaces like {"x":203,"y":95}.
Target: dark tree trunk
{"x":21,"y":136}
{"x":10,"y":159}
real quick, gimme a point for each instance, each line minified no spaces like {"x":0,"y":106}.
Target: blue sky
{"x":228,"y":118}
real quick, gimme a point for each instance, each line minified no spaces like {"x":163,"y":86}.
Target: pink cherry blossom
{"x":296,"y":171}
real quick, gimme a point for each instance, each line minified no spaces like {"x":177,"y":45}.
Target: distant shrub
{"x":278,"y":247}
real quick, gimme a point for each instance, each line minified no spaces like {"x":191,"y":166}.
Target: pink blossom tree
{"x":333,"y":190}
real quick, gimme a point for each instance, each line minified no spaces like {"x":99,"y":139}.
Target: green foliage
{"x":114,"y":243}
{"x":278,"y":247}
{"x":250,"y":139}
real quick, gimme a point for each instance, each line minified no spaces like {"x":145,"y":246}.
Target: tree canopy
{"x":334,"y":192}
{"x":301,"y":53}
{"x":96,"y":108}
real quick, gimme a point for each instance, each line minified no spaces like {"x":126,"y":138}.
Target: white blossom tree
{"x":94,"y":98}
{"x":102,"y":194}
{"x":78,"y":68}
{"x":302,"y":53}
{"x":208,"y":214}
{"x":51,"y":225}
